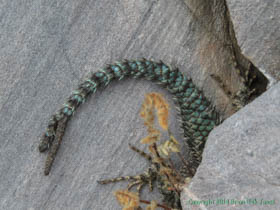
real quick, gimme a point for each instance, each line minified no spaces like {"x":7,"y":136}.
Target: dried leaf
{"x":162,"y":108}
{"x":171,"y":145}
{"x":153,"y":131}
{"x":163,"y":152}
{"x":163,"y":120}
{"x":172,"y":139}
{"x":128,"y":200}
{"x":150,"y":139}
{"x":154,"y":136}
{"x":146,"y":111}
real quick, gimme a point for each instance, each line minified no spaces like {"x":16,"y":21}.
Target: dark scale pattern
{"x":198,"y":116}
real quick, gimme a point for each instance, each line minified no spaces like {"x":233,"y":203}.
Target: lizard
{"x":198,"y":115}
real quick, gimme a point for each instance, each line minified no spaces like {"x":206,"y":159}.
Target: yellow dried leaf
{"x":128,"y":200}
{"x":168,"y":146}
{"x":172,"y":139}
{"x":163,"y":152}
{"x":172,"y":147}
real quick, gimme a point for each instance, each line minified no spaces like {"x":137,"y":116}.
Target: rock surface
{"x":256,"y":25}
{"x":46,"y":48}
{"x":241,"y":160}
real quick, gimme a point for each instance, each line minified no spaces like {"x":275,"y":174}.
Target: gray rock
{"x":257,"y":28}
{"x":241,"y":160}
{"x":46,"y":47}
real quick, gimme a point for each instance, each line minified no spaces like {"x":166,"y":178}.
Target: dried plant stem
{"x":159,"y":205}
{"x":186,"y":164}
{"x":174,"y":169}
{"x":164,"y":165}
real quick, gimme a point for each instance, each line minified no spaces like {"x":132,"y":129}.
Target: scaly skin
{"x":198,"y":116}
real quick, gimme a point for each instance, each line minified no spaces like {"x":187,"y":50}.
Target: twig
{"x":186,"y":163}
{"x":159,"y":205}
{"x":164,"y":165}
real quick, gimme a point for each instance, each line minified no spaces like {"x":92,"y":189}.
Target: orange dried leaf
{"x":150,"y":139}
{"x":162,"y":108}
{"x":155,"y":101}
{"x":148,"y":116}
{"x":146,"y":112}
{"x":153,"y":131}
{"x":163,"y":120}
{"x":128,"y":200}
{"x":159,"y":101}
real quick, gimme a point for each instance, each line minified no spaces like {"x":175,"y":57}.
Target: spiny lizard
{"x":198,"y":115}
